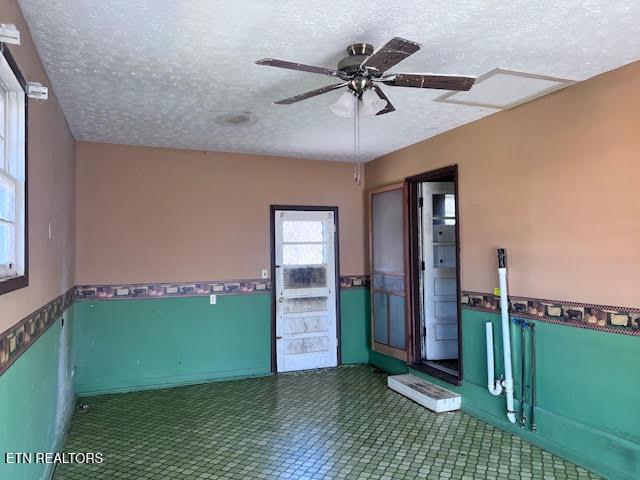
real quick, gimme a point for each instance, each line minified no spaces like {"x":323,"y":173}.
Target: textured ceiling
{"x":161,"y":72}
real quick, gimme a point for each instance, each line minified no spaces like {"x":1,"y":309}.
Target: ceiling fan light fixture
{"x":344,"y":106}
{"x":371,"y":103}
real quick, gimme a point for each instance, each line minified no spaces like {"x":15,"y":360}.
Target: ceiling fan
{"x":362,"y":72}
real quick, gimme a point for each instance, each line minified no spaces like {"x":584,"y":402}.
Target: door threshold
{"x":437,"y":372}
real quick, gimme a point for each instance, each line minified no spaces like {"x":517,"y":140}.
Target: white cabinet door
{"x":439,"y":283}
{"x":306,"y":334}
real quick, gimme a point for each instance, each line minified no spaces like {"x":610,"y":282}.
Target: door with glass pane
{"x":388,"y":280}
{"x":439,"y":282}
{"x":305,"y":289}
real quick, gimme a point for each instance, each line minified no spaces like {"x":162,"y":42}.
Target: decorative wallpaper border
{"x":192,"y":289}
{"x":18,"y":338}
{"x":354,"y":281}
{"x":171,"y":289}
{"x":605,"y":318}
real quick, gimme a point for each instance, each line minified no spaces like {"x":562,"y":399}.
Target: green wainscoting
{"x":36,"y":400}
{"x":124,"y":345}
{"x":355,"y":325}
{"x":588,"y":393}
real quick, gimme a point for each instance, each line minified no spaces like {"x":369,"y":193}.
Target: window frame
{"x":11,"y":283}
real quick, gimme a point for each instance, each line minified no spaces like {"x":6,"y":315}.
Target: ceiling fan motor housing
{"x":359,"y":84}
{"x":358,"y":53}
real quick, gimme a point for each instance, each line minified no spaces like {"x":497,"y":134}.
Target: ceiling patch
{"x":238,"y":119}
{"x":501,"y":89}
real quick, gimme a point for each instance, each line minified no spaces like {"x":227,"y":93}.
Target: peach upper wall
{"x":51,"y":176}
{"x":158,"y":215}
{"x":556,"y":182}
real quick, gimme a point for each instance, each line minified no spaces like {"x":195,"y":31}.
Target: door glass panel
{"x":305,"y":277}
{"x":396,"y":321}
{"x":381,"y":324}
{"x":387,"y":232}
{"x":307,"y":304}
{"x":302,"y":231}
{"x":295,"y":325}
{"x":306,"y":345}
{"x":444,"y":209}
{"x":303,"y":253}
{"x":394,"y":284}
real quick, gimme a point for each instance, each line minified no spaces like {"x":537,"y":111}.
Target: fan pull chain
{"x":357,"y":168}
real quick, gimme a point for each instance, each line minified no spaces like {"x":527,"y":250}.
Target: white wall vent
{"x":502,"y":89}
{"x":9,"y":33}
{"x":37,"y":91}
{"x":426,"y":394}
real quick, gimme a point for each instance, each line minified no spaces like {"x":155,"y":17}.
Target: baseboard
{"x":388,"y":364}
{"x":626,"y":450}
{"x":155,"y":383}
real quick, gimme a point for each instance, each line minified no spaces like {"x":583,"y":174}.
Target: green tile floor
{"x":338,"y":423}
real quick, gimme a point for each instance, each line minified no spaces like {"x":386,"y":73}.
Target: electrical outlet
{"x":265,"y":273}
{"x":213,"y":299}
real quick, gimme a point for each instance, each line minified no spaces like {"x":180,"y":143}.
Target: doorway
{"x":435,"y":265}
{"x":305,"y":275}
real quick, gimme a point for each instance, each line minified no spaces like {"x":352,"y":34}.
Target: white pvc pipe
{"x":494,"y":387}
{"x":506,"y":337}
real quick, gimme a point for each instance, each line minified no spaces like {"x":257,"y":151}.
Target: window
{"x":13,"y":181}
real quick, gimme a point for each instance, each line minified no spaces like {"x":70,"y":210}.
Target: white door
{"x":305,"y":283}
{"x":439,"y":283}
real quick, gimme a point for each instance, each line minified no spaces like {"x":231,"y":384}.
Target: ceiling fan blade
{"x":389,"y":108}
{"x":396,"y":50}
{"x":427,"y":80}
{"x":271,"y":62}
{"x":312,"y":93}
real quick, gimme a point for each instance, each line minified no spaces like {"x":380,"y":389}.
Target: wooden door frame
{"x":414,"y":349}
{"x":375,"y":346}
{"x":336,"y":251}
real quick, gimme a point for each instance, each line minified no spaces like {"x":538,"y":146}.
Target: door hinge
{"x":421,"y":202}
{"x":423,"y":267}
{"x":424,"y":331}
